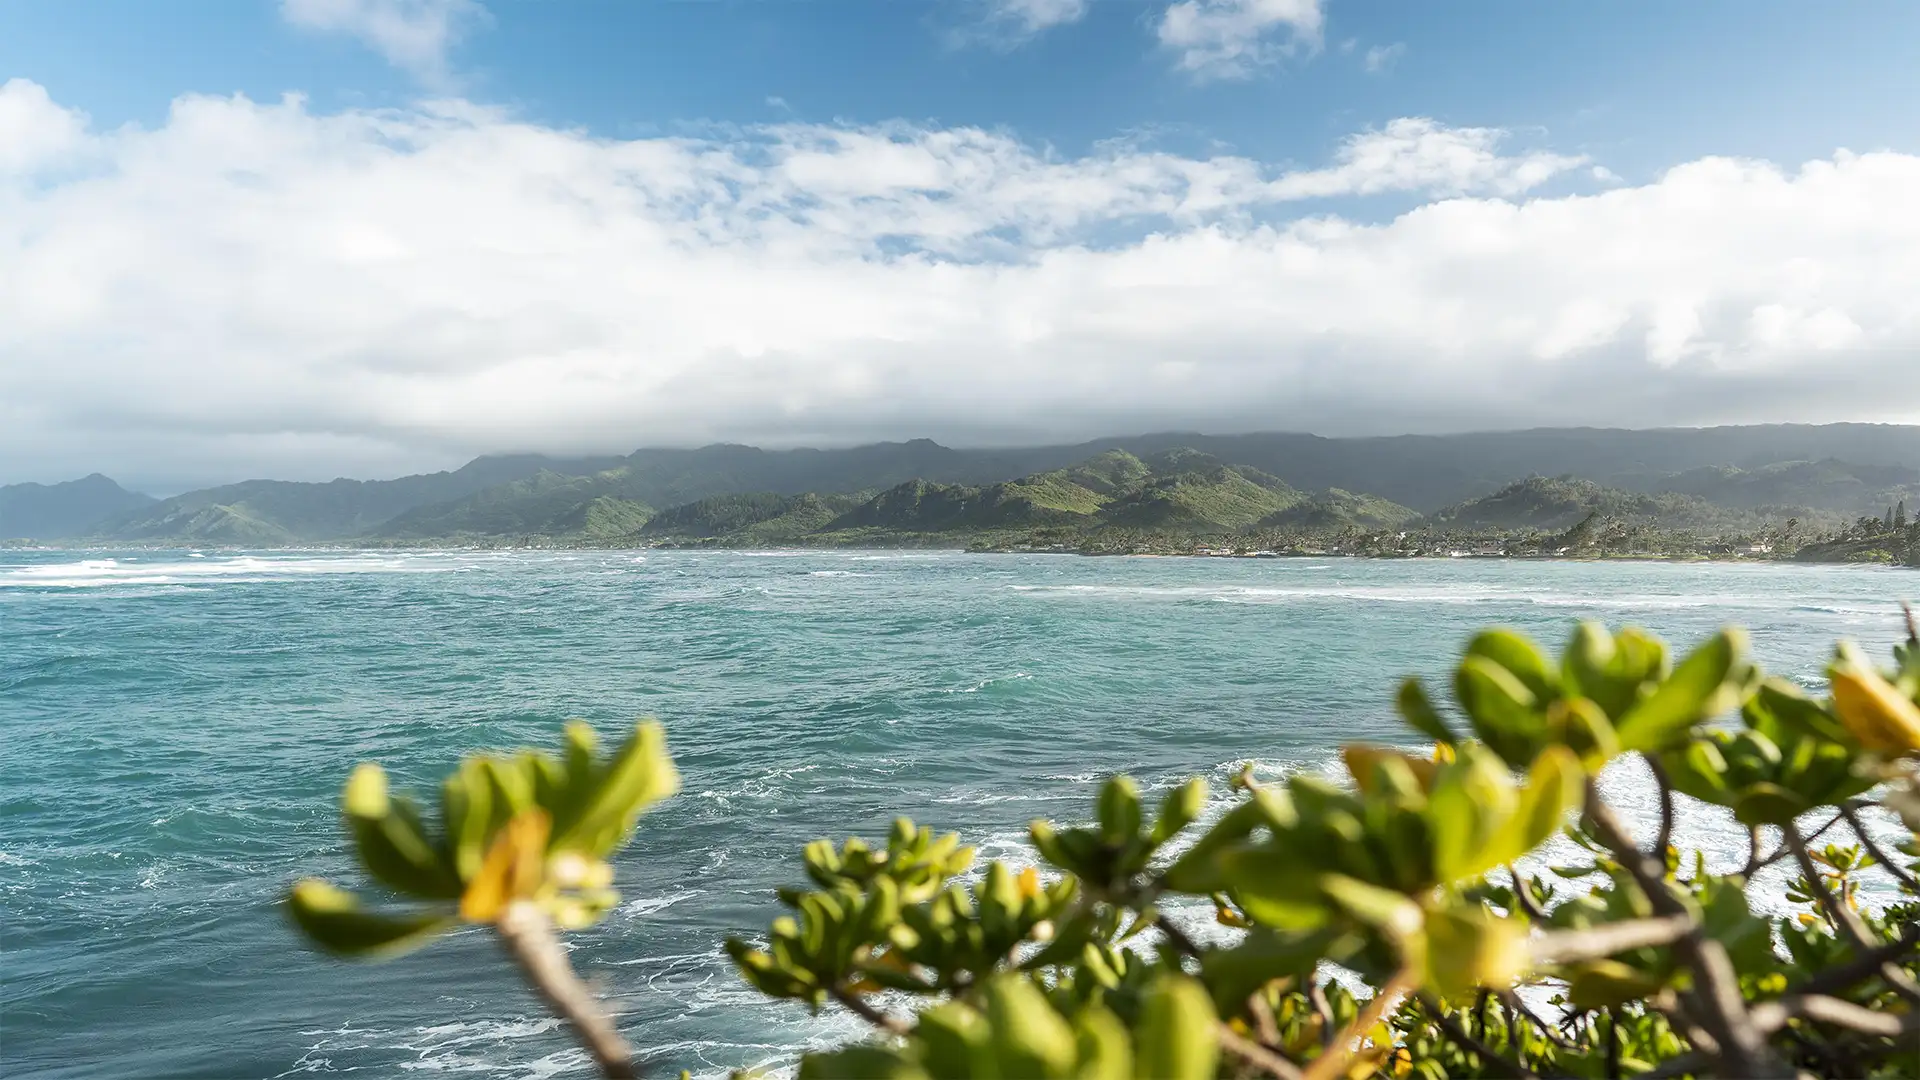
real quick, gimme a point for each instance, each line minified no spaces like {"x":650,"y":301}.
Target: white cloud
{"x":1033,"y":16}
{"x":1380,"y":59}
{"x":257,"y":289}
{"x":1231,"y":39}
{"x":412,"y":34}
{"x":36,"y":133}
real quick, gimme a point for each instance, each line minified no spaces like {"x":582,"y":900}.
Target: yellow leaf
{"x":1872,"y":709}
{"x":513,"y":868}
{"x":1029,"y":882}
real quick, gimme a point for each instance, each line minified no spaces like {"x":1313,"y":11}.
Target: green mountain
{"x":757,"y":517}
{"x":1830,"y":466}
{"x":1337,"y":510}
{"x":1559,"y":503}
{"x":53,"y":511}
{"x":1830,"y":485}
{"x":547,"y":504}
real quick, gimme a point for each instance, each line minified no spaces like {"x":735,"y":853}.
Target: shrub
{"x":1637,"y":960}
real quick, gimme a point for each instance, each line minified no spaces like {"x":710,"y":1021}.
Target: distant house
{"x":1759,"y":549}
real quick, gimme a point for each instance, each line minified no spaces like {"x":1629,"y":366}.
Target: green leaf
{"x":1119,"y":808}
{"x":334,"y":920}
{"x":1265,"y":954}
{"x":641,"y":773}
{"x":1764,"y":803}
{"x":957,"y":1042}
{"x":390,"y":840}
{"x":1502,"y":709}
{"x":1386,"y":911}
{"x":1181,"y":806}
{"x":466,"y":810}
{"x":1555,"y":785}
{"x":860,"y":1063}
{"x":1274,"y":889}
{"x":1712,"y":680}
{"x":1178,"y":1033}
{"x":1198,"y":869}
{"x":1521,"y":658}
{"x":1417,"y":709}
{"x":1471,"y":796}
{"x":1104,"y":1050}
{"x":1029,"y":1038}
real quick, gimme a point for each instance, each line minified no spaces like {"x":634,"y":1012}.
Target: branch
{"x":1913,"y":627}
{"x":1860,"y":967}
{"x":1572,"y":946}
{"x":1490,"y":1059}
{"x":1773,"y":1015}
{"x":1255,"y":1054}
{"x":1755,"y":863}
{"x":1521,"y":897}
{"x":1845,"y":919}
{"x":1743,"y":1050}
{"x":1514,"y":1003}
{"x":1334,"y":1061}
{"x":1860,"y":830}
{"x":1664,"y":838}
{"x":1322,"y":1008}
{"x":860,"y":1008}
{"x":528,"y":936}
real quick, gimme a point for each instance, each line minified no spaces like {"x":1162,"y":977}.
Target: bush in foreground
{"x":1634,"y":960}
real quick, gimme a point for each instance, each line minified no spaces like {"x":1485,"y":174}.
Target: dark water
{"x":175,"y":730}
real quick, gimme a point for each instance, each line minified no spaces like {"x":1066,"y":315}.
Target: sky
{"x":316,"y":238}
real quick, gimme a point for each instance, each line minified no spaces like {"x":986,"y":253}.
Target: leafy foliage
{"x":1632,"y":960}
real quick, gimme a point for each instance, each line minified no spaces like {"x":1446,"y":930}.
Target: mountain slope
{"x":547,"y":504}
{"x":59,"y":511}
{"x":1336,"y":509}
{"x":1559,"y":503}
{"x":1829,"y":485}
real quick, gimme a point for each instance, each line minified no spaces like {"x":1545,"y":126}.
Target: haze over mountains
{"x":1173,"y":481}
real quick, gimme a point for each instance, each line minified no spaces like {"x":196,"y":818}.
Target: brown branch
{"x":1516,"y":1004}
{"x":1264,"y":1024}
{"x":1860,"y":967}
{"x":1490,"y":1059}
{"x":1572,"y":946}
{"x":1322,"y":1008}
{"x":1773,"y":1015}
{"x":1755,"y":863}
{"x":1521,"y":897}
{"x":1844,"y":919}
{"x":1913,"y":627}
{"x":1334,"y":1061}
{"x":1754,"y":859}
{"x":1859,"y":828}
{"x":1258,"y":1055}
{"x":1722,"y":1011}
{"x":858,"y":1005}
{"x":528,"y":935}
{"x":1664,"y":837}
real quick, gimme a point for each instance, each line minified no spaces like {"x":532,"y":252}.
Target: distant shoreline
{"x":456,"y":546}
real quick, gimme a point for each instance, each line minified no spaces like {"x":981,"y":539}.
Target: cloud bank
{"x":255,"y":288}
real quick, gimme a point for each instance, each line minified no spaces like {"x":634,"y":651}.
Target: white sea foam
{"x":240,"y":569}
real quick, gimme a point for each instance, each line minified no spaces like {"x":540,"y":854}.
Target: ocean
{"x":176,"y":727}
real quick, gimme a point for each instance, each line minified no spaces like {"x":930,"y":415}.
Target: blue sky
{"x":366,"y":236}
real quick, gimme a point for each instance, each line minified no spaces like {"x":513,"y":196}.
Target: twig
{"x":1664,"y":838}
{"x":528,"y":935}
{"x":1783,"y":851}
{"x":1490,"y":1059}
{"x":1860,"y":967}
{"x":1572,"y":946}
{"x":1754,"y":861}
{"x":1723,"y":1012}
{"x":860,"y":1008}
{"x":1333,"y":1062}
{"x":1264,"y":1024}
{"x":1256,"y":1054}
{"x":1322,"y":1008}
{"x":1516,"y":1004}
{"x":1845,"y":920}
{"x":1521,"y":897}
{"x":1913,"y":627}
{"x":1860,"y":830}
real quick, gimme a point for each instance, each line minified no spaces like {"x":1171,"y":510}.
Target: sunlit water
{"x":176,"y":727}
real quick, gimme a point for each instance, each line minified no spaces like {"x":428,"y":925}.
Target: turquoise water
{"x":175,"y":729}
